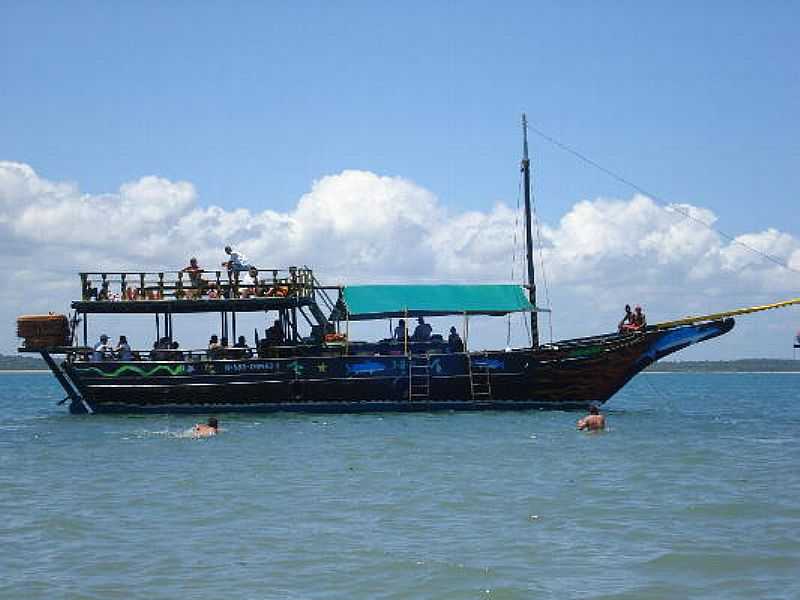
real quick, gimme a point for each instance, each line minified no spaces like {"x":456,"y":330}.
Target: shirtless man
{"x":201,"y":430}
{"x":594,"y":421}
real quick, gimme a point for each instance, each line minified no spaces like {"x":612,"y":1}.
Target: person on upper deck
{"x":454,"y":341}
{"x":196,"y":280}
{"x":422,"y":332}
{"x":401,"y":331}
{"x":123,"y":349}
{"x":236,"y":261}
{"x":102,"y":349}
{"x":251,"y":284}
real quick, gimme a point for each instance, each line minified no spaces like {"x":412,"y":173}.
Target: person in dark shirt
{"x":400,"y":332}
{"x":454,"y":341}
{"x":639,"y":320}
{"x":214,"y":348}
{"x":274,"y":335}
{"x":627,"y":320}
{"x":176,"y":354}
{"x":422,"y":332}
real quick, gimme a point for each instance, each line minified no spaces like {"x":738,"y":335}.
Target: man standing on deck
{"x":594,"y":421}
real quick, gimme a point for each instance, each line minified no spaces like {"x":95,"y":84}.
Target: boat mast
{"x":526,"y":171}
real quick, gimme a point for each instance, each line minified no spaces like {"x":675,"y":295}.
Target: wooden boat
{"x":325,"y":371}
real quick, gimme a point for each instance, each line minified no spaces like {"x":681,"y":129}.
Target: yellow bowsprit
{"x":723,"y":315}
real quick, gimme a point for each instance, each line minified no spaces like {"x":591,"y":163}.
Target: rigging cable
{"x":513,"y":258}
{"x":669,"y":206}
{"x":540,"y":253}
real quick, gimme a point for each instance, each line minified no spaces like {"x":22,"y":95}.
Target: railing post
{"x":142,"y":294}
{"x":160,"y":286}
{"x":85,"y":286}
{"x":123,"y":286}
{"x":179,"y":285}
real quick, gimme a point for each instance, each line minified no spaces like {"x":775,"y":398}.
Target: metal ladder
{"x":479,"y":382}
{"x":419,"y":376}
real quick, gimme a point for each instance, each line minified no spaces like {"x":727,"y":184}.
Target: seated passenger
{"x":400,"y":332}
{"x":102,"y":350}
{"x":89,"y":291}
{"x":196,"y":280}
{"x":243,"y":350}
{"x":123,"y":349}
{"x":627,"y":319}
{"x":274,"y":335}
{"x":639,"y":320}
{"x":176,"y":354}
{"x":422,"y":332}
{"x":251,"y":285}
{"x":454,"y":341}
{"x":214,"y":347}
{"x":104,"y":294}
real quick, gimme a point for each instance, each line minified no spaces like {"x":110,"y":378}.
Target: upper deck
{"x":203,"y":291}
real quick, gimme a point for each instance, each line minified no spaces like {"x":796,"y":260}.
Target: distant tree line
{"x":21,"y":363}
{"x":747,"y":365}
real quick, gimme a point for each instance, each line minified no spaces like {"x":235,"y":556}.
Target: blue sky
{"x":251,"y":102}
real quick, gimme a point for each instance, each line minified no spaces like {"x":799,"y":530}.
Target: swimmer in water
{"x":208,"y":430}
{"x":594,"y":421}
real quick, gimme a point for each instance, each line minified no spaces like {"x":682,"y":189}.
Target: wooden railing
{"x":296,"y":282}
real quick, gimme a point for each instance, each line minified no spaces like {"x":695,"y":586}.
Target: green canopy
{"x":384,"y":301}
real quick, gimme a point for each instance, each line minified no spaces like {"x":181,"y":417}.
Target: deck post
{"x":233,"y":326}
{"x":85,"y":330}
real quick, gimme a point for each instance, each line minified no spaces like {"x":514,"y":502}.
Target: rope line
{"x":643,"y":191}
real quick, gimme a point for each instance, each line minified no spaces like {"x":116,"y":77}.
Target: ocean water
{"x":692,"y":492}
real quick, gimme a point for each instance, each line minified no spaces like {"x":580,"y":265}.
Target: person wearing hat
{"x":422,"y":332}
{"x":101,"y":349}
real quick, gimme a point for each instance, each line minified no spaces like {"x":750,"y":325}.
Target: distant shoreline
{"x":746,"y":365}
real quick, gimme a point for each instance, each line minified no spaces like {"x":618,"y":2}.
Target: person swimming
{"x":207,"y":430}
{"x":594,"y":421}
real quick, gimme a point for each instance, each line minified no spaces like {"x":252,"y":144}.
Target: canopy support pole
{"x":405,"y":335}
{"x":466,"y":332}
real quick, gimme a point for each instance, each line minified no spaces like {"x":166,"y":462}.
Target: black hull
{"x":567,"y":375}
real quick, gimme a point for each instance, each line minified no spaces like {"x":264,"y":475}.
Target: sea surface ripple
{"x":692,"y":492}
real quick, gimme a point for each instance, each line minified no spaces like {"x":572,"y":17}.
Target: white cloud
{"x":359,"y":226}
